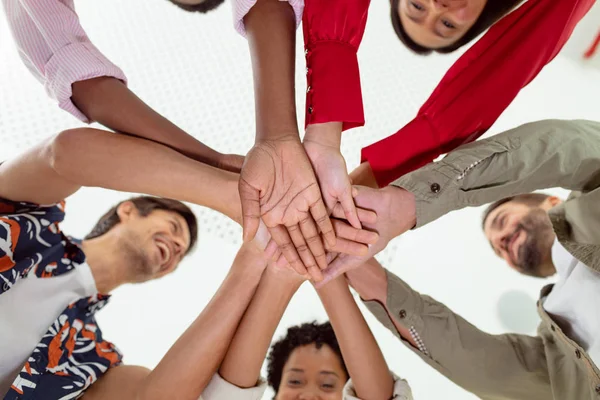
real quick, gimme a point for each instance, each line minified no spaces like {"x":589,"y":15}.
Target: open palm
{"x":278,"y":185}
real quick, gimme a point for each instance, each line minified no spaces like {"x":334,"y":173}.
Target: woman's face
{"x":312,"y":374}
{"x":438,"y":23}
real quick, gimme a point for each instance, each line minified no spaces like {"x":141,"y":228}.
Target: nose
{"x":308,"y":395}
{"x":180,"y":246}
{"x":440,"y":4}
{"x":500,"y":239}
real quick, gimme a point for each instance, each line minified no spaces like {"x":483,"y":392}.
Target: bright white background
{"x":195,"y":70}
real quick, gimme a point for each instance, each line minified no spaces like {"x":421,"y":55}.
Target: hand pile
{"x":318,"y":222}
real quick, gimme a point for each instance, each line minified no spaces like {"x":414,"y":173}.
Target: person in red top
{"x":467,"y":101}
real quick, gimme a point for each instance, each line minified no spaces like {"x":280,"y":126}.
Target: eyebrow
{"x":495,"y":220}
{"x":180,"y":228}
{"x":321,"y":372}
{"x":420,"y":22}
{"x":328,"y":373}
{"x":438,"y":34}
{"x":414,"y":19}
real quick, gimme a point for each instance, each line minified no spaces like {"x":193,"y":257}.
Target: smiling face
{"x":436,"y":24}
{"x":152,"y":245}
{"x":312,"y":373}
{"x":522,"y":235}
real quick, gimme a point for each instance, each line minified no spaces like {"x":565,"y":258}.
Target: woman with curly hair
{"x":335,"y":360}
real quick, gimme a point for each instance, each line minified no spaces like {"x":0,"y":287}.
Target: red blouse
{"x":333,"y":30}
{"x":467,"y":101}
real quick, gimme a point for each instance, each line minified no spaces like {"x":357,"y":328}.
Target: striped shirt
{"x":58,"y":52}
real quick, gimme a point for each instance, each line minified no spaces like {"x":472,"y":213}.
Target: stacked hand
{"x":278,"y":186}
{"x":322,"y":145}
{"x":395,"y":208}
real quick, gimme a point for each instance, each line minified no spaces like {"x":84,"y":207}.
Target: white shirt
{"x":573,"y":301}
{"x":29,"y":308}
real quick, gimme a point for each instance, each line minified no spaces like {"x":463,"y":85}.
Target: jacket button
{"x":435,"y":187}
{"x":402,"y":314}
{"x":552,"y":327}
{"x":598,"y":389}
{"x":310,"y":110}
{"x":577,"y":354}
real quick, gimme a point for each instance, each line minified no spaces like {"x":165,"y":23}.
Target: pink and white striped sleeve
{"x":242,"y":7}
{"x":55,"y":48}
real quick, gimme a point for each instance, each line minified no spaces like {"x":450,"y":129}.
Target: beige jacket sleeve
{"x":402,"y":390}
{"x":493,"y":367}
{"x":219,"y":389}
{"x":538,"y":155}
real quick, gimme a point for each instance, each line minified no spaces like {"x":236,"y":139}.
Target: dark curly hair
{"x":493,"y":11}
{"x":204,"y":7}
{"x":297,"y":336}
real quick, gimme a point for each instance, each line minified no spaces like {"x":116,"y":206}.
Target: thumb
{"x":250,"y":199}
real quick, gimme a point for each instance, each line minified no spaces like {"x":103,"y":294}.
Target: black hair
{"x":145,"y":205}
{"x":203,"y":7}
{"x":297,"y":336}
{"x":493,"y":11}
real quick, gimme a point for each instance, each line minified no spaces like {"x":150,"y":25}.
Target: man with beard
{"x":52,"y":285}
{"x":536,"y":234}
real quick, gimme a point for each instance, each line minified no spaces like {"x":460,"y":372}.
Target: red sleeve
{"x":479,"y":86}
{"x":333,"y":30}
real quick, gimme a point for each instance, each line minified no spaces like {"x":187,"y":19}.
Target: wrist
{"x":333,"y":289}
{"x":285,"y":133}
{"x":403,"y":205}
{"x":281,"y":280}
{"x":326,"y":134}
{"x":230,"y":201}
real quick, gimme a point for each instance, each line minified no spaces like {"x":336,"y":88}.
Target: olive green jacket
{"x":534,"y":156}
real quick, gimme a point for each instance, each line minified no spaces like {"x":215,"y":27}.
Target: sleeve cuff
{"x":402,"y":301}
{"x":402,"y":390}
{"x":412,"y":147}
{"x":242,"y":7}
{"x":73,"y":63}
{"x":333,"y":85}
{"x":436,"y":190}
{"x":219,"y":389}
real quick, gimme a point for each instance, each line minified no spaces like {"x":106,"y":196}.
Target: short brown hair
{"x":529,"y":199}
{"x":493,"y":11}
{"x":145,"y":205}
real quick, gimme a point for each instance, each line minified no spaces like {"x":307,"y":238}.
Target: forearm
{"x":362,"y":355}
{"x":109,"y":102}
{"x":191,"y":362}
{"x":90,"y":157}
{"x":534,"y":156}
{"x":251,"y":342}
{"x":447,"y":343}
{"x":270,"y":28}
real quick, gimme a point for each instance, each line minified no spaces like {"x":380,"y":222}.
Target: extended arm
{"x":363,"y":357}
{"x":495,"y":367}
{"x":58,"y":52}
{"x":190,"y":363}
{"x":243,"y":361}
{"x":56,"y":168}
